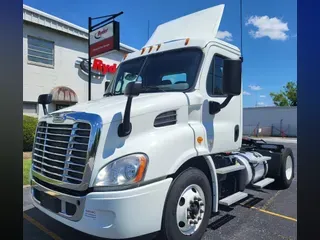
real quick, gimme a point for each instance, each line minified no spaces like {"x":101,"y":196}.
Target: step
{"x":233,"y":198}
{"x":230,"y":169}
{"x":263,"y":183}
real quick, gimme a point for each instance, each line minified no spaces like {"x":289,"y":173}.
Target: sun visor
{"x":202,"y":24}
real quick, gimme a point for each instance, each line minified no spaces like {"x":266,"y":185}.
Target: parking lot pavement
{"x":267,"y":214}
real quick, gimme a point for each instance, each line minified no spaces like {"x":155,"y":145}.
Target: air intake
{"x":166,"y":119}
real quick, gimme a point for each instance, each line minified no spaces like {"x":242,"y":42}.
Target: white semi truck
{"x":163,"y":148}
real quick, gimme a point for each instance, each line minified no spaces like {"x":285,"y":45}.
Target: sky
{"x":269,"y":32}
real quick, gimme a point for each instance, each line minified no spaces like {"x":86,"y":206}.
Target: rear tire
{"x":189,"y":201}
{"x":286,"y":169}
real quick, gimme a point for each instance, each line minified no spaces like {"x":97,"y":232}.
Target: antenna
{"x":241,"y":48}
{"x":148,"y":29}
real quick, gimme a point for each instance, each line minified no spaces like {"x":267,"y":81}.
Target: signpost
{"x":103,"y":37}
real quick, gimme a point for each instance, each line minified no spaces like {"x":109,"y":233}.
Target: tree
{"x":287,"y":96}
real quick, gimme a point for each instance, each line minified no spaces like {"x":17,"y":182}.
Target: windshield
{"x":174,"y":70}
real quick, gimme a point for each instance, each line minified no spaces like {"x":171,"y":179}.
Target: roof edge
{"x":58,"y":24}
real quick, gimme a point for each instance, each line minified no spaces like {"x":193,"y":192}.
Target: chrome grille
{"x":61,"y":151}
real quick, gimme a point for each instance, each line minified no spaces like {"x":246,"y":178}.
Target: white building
{"x":52,"y":52}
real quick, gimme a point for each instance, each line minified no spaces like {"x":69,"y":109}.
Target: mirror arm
{"x":225,"y":102}
{"x":125,"y":127}
{"x":45,"y":111}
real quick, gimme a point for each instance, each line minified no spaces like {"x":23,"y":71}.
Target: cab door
{"x":223,"y":129}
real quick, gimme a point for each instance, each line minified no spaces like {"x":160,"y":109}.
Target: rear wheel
{"x":188,"y":206}
{"x":287,"y":169}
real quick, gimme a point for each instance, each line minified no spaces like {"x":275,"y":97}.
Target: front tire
{"x":188,"y":206}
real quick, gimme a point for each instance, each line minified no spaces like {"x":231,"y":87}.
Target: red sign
{"x":102,"y":47}
{"x":104,"y":39}
{"x":99,"y":66}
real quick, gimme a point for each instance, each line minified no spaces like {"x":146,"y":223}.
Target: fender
{"x":214,"y":180}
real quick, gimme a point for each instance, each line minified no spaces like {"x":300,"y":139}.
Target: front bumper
{"x":117,"y":214}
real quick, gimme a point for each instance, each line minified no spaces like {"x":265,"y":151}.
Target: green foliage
{"x":287,"y":96}
{"x":26,"y":171}
{"x":29,"y":129}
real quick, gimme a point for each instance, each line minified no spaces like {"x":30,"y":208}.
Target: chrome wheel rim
{"x":190,"y":209}
{"x":289,"y":168}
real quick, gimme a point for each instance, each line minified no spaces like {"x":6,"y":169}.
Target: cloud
{"x":274,"y":28}
{"x":255,"y":87}
{"x":260,"y":104}
{"x":224,"y":35}
{"x":246,"y":93}
{"x":262,"y":96}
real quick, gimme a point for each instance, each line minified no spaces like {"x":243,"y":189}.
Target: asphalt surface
{"x":267,"y":214}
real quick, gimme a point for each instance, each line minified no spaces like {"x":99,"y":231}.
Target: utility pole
{"x":89,"y":58}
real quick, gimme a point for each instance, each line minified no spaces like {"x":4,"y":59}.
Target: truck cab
{"x":162,"y":148}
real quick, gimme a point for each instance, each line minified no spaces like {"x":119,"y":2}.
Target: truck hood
{"x":112,"y":108}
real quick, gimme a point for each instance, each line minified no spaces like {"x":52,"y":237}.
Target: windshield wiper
{"x":152,"y":88}
{"x":108,"y":94}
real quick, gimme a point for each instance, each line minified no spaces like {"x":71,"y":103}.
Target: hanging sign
{"x":104,"y":39}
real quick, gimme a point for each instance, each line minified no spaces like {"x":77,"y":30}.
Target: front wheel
{"x":188,"y":206}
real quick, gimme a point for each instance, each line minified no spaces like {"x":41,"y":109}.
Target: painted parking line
{"x":41,"y":227}
{"x":270,"y":201}
{"x":271,"y":213}
{"x":275,"y":214}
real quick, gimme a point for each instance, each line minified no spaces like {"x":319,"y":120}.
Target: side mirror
{"x":214,"y":107}
{"x":133,"y":89}
{"x":232,"y":77}
{"x":45,"y":99}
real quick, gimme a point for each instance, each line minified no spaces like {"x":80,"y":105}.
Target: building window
{"x":215,"y":77}
{"x":40,"y":52}
{"x":30,"y":108}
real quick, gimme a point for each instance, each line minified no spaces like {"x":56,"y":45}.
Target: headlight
{"x":125,"y":170}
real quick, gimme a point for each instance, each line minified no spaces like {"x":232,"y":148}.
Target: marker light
{"x":150,"y":49}
{"x":199,"y":139}
{"x":126,"y":170}
{"x":143,"y":49}
{"x":158,"y":47}
{"x":187,"y":41}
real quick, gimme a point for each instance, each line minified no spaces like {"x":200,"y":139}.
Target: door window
{"x":215,"y":77}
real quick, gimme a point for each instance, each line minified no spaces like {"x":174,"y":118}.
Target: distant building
{"x":53,"y":54}
{"x":270,"y":121}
